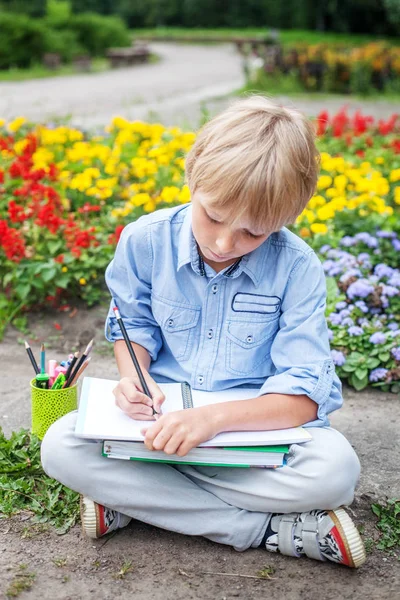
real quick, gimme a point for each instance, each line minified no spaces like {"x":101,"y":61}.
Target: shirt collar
{"x":251,"y":264}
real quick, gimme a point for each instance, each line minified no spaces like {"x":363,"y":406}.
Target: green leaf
{"x":372,"y":363}
{"x":384,"y":356}
{"x":22,"y":290}
{"x":358,"y":384}
{"x":49,"y":274}
{"x":348,"y":368}
{"x":361,"y":373}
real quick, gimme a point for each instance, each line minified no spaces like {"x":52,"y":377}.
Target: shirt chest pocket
{"x":248,"y":342}
{"x":178,"y":324}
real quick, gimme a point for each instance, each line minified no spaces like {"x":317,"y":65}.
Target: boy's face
{"x":221,"y":244}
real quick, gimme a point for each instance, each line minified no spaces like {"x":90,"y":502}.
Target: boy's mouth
{"x":218,"y":256}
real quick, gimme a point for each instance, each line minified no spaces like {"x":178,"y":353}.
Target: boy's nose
{"x":225,"y":244}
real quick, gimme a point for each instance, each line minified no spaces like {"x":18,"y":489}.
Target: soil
{"x":169,"y":566}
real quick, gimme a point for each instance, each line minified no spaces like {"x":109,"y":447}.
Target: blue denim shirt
{"x":259,"y":323}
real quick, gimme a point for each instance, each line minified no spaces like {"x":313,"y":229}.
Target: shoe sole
{"x":89,"y":517}
{"x":350,"y":536}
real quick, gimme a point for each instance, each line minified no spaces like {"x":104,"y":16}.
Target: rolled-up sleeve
{"x":300,"y":351}
{"x":128,"y":278}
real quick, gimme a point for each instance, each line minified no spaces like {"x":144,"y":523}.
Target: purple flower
{"x":336,"y":270}
{"x":363,"y":322}
{"x":367,"y":239}
{"x":335,"y":319}
{"x":363,"y":256}
{"x":362,"y":306}
{"x":361,"y":288}
{"x":393,"y":326}
{"x":345,"y":312}
{"x":383,"y":270}
{"x":377,"y":252}
{"x":389,"y":290}
{"x":350,"y":273}
{"x":395,"y":279}
{"x":378,"y":374}
{"x":347,"y":241}
{"x":338,"y":358}
{"x":396,"y":353}
{"x":354,"y":330}
{"x":396,"y":244}
{"x":385,"y":234}
{"x":341,"y":305}
{"x":377,"y":338}
{"x":384,"y":301}
{"x":375,"y":311}
{"x":330,"y":334}
{"x":348,"y":322}
{"x":324,"y":248}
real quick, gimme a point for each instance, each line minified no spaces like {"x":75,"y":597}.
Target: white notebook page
{"x":100,"y":418}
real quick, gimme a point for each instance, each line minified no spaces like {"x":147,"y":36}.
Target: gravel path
{"x":174,"y":91}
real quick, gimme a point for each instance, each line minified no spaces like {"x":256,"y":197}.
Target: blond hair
{"x":258,"y":160}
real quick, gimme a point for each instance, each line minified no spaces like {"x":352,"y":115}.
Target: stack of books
{"x":99,"y":418}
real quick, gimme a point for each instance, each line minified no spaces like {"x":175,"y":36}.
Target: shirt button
{"x":210,"y":334}
{"x":170,"y":322}
{"x":200,"y":379}
{"x":249,"y":339}
{"x":214,"y":288}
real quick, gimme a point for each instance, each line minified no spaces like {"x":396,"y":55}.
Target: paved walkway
{"x":173,"y":91}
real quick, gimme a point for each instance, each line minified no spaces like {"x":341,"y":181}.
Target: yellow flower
{"x":82,"y":281}
{"x":397,"y":194}
{"x":15,"y":125}
{"x":170,"y":193}
{"x":379,"y":160}
{"x":319,"y":228}
{"x":394,"y":175}
{"x":324,"y":182}
{"x":64,"y":269}
{"x":2,"y":122}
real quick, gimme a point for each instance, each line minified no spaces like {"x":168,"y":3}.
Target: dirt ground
{"x":168,"y":566}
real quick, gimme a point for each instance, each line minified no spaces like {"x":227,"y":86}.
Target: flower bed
{"x":65,"y":197}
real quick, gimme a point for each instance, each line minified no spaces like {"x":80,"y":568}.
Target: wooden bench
{"x":127,"y":57}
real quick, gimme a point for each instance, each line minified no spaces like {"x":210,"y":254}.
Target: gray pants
{"x":227,"y":505}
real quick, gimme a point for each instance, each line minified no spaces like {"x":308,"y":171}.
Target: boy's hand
{"x":180,"y":431}
{"x":130,"y":398}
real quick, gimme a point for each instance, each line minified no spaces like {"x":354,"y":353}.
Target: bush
{"x":96,"y":33}
{"x":22,"y":41}
{"x":65,"y":43}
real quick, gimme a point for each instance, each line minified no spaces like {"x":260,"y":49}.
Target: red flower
{"x":113,"y":238}
{"x":339,"y":122}
{"x":59,"y":258}
{"x":11,"y":242}
{"x":360,"y":153}
{"x":87,"y":207}
{"x":322,"y":122}
{"x":388,"y":126}
{"x":1,"y":176}
{"x":57,"y":326}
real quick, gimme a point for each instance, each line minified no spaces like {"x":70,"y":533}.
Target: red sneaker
{"x":98,"y":520}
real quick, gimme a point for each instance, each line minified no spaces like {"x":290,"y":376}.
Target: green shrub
{"x":65,"y":43}
{"x":96,"y":33}
{"x":22,"y":41}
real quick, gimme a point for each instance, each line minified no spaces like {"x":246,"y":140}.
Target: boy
{"x":220,"y":294}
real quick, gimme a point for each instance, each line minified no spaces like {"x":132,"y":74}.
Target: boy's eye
{"x":212,"y":220}
{"x":253,"y":235}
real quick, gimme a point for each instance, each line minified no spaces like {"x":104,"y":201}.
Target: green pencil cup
{"x":49,"y":405}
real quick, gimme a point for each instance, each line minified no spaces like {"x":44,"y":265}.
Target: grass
{"x":99,"y":65}
{"x":388,"y":524}
{"x":287,"y":37}
{"x":22,"y":581}
{"x":24,"y":486}
{"x":289,"y":85}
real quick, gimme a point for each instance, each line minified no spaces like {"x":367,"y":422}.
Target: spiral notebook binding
{"x":186,"y":395}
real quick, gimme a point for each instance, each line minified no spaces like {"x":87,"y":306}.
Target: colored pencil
{"x":79,"y":363}
{"x":79,"y":373}
{"x":42,"y":359}
{"x":133,"y":355}
{"x":71,"y":366}
{"x":32,"y":358}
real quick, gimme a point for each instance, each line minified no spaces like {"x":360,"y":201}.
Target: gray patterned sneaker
{"x":98,"y":520}
{"x":319,"y":534}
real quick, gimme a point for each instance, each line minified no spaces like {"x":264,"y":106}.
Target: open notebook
{"x":99,"y":418}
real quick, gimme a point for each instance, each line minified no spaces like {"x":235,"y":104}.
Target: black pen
{"x":133,"y":355}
